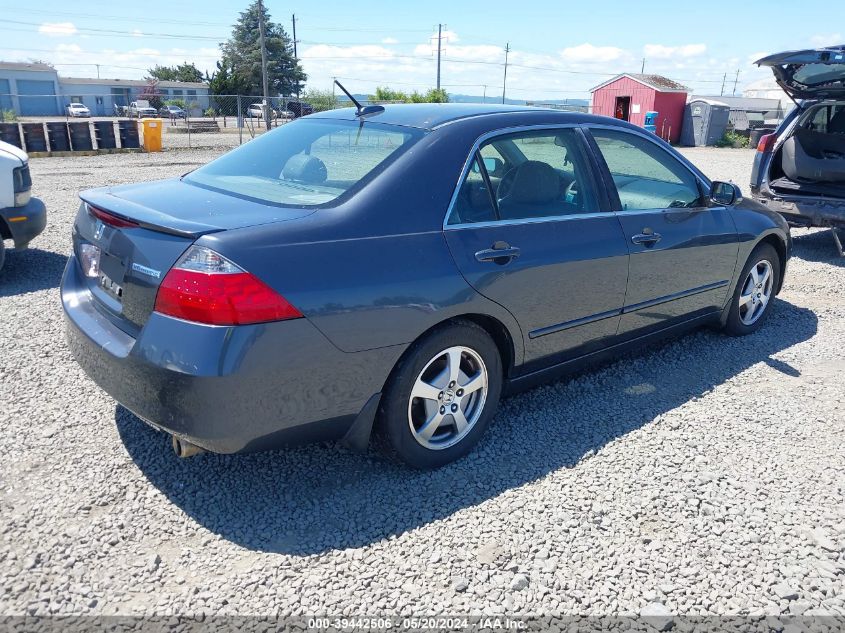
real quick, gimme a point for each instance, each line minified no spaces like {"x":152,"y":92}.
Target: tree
{"x":242,"y":57}
{"x":383,"y":93}
{"x":183,"y":72}
{"x":321,"y":100}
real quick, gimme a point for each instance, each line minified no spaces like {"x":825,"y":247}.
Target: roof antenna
{"x":361,"y":110}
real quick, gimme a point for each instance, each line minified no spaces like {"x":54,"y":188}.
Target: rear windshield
{"x":308,"y":162}
{"x":819,"y":74}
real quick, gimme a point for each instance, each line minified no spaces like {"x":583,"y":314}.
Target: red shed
{"x":631,"y":95}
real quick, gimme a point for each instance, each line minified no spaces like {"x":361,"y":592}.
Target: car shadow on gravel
{"x":817,"y":246}
{"x":317,"y":498}
{"x":30,"y":270}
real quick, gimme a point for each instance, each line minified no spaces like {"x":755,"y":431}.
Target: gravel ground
{"x":703,"y":477}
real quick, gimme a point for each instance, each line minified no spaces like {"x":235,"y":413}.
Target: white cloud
{"x":826,"y":39}
{"x":137,"y":33}
{"x":658,"y":51}
{"x":57,"y":29}
{"x":390,"y":40}
{"x":590,"y":53}
{"x":326,"y":51}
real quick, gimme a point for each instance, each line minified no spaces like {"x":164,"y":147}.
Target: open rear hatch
{"x":127,"y":238}
{"x":809,"y":74}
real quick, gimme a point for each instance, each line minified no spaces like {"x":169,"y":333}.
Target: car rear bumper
{"x":803,"y":210}
{"x":226,"y":389}
{"x":26,"y":222}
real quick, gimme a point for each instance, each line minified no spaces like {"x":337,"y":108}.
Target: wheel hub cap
{"x":448,"y":397}
{"x":757,"y":289}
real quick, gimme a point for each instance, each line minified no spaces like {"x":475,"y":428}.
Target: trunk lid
{"x":164,"y":219}
{"x":809,"y":74}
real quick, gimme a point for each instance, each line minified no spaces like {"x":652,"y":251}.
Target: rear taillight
{"x":110,"y":218}
{"x":767,"y":142}
{"x":205,"y":287}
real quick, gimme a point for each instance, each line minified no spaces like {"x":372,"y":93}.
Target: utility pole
{"x":295,"y":56}
{"x":505,"y":80}
{"x":264,"y":81}
{"x":736,"y":80}
{"x":484,"y":98}
{"x":98,"y":70}
{"x":642,"y":68}
{"x":439,"y":48}
{"x":724,"y":77}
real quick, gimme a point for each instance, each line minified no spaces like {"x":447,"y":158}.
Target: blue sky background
{"x":558,"y":49}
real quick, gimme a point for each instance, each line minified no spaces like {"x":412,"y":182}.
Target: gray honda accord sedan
{"x":399,"y":269}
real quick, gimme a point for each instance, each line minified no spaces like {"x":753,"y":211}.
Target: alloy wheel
{"x":756,"y":292}
{"x":448,"y":398}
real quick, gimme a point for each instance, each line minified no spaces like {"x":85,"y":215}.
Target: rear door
{"x":809,"y":74}
{"x":529,"y":229}
{"x":683,"y":248}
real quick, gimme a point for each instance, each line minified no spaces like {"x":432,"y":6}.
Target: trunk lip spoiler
{"x":101,"y":200}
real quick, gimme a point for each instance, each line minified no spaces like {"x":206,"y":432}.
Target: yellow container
{"x":151,"y":134}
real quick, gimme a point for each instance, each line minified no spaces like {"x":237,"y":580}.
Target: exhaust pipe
{"x":184,"y":449}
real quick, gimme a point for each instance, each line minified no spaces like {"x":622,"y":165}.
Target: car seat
{"x":816,"y":156}
{"x":534,"y":191}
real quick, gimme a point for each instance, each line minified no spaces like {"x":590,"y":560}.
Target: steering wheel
{"x":506,"y":183}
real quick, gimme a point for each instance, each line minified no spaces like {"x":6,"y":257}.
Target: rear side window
{"x":306,"y":163}
{"x":525,"y":175}
{"x":646,"y":175}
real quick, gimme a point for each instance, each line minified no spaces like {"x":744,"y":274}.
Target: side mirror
{"x":725,"y":193}
{"x":493,"y":165}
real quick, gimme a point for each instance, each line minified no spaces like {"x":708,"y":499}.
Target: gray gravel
{"x":705,"y":476}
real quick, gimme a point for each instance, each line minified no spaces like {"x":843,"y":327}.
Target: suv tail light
{"x":767,"y":142}
{"x":205,"y":287}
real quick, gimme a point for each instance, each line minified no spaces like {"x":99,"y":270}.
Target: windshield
{"x":306,"y":163}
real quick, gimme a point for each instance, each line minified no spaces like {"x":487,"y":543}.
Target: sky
{"x":558,"y":49}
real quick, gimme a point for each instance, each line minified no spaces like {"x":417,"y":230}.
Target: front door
{"x":683,"y":250}
{"x":526,"y":231}
{"x":623,"y":108}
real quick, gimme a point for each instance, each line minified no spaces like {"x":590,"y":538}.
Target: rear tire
{"x":441,"y":396}
{"x":755,"y":291}
{"x":2,"y":253}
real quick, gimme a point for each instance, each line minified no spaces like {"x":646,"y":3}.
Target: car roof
{"x":432,"y":115}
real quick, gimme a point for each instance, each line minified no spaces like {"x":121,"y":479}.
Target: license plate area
{"x":110,"y":278}
{"x":112,"y":288}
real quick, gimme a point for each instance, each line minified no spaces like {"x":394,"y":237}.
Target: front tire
{"x":441,"y":396}
{"x":755,"y":291}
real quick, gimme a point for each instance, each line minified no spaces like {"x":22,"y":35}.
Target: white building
{"x":38,"y":90}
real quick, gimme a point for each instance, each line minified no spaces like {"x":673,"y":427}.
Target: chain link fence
{"x":227,"y":121}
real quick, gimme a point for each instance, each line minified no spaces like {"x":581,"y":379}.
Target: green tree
{"x":383,"y":93}
{"x":183,"y":72}
{"x":322,"y":100}
{"x":242,"y":57}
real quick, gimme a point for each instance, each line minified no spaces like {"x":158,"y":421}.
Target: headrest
{"x":534,"y":182}
{"x":305,"y":168}
{"x":837,"y":123}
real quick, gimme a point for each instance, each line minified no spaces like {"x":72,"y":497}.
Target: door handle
{"x":501,"y":253}
{"x":648,"y":239}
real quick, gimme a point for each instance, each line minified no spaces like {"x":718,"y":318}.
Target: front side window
{"x":309,"y":162}
{"x":646,"y":175}
{"x":531,"y":174}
